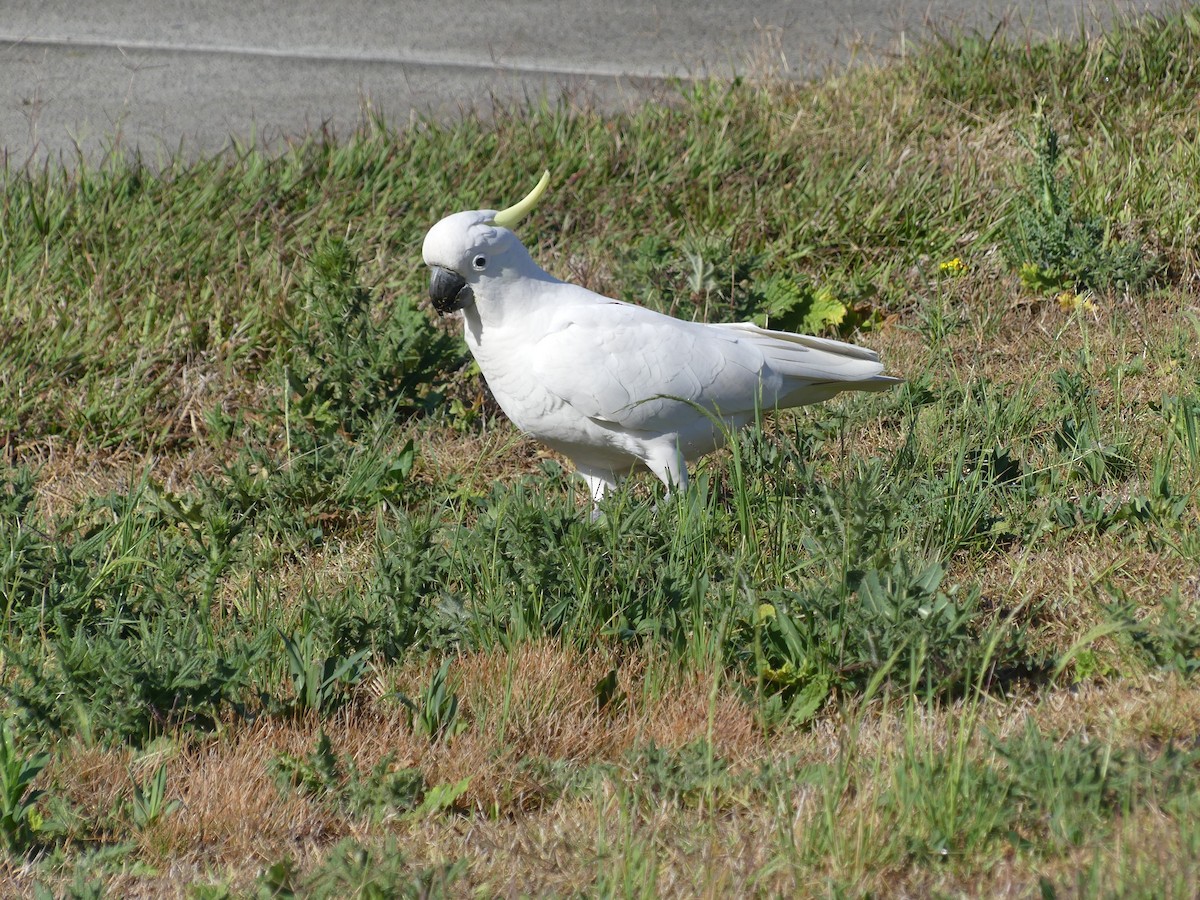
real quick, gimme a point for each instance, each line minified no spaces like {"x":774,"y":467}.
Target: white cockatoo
{"x":613,"y":386}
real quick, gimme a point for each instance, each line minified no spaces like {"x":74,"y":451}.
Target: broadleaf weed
{"x":20,"y":820}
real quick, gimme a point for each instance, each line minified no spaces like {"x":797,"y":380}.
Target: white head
{"x":467,"y":248}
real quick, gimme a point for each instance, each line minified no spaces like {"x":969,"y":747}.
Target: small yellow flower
{"x":1069,"y":301}
{"x":785,"y":674}
{"x":952,"y":266}
{"x":765,"y":611}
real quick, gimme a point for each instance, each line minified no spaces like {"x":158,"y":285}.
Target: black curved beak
{"x":448,"y":290}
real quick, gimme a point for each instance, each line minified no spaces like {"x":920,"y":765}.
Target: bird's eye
{"x":480,"y":263}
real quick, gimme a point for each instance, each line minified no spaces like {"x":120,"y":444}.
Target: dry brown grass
{"x":523,"y":837}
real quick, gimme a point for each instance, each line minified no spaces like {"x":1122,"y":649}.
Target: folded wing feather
{"x":655,"y":370}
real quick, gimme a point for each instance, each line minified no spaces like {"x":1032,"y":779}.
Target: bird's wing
{"x":641,"y":370}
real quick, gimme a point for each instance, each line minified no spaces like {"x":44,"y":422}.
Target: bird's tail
{"x":816,"y":368}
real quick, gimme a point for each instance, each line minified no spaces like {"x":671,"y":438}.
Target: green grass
{"x":287,"y":607}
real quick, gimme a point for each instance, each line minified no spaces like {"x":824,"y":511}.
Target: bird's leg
{"x":671,"y":470}
{"x":599,"y":484}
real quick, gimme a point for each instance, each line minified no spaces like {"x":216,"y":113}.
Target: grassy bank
{"x":290,"y":608}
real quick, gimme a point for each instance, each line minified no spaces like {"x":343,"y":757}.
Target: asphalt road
{"x":181,"y":75}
